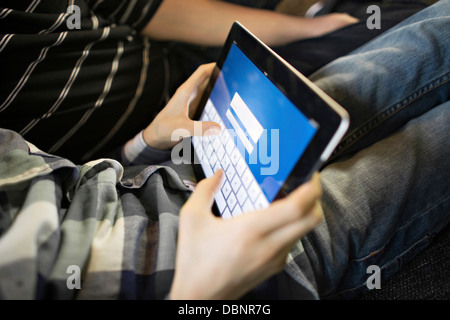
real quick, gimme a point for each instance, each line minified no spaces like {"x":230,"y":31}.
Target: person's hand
{"x":224,"y":259}
{"x":177,"y":114}
{"x":331,"y":22}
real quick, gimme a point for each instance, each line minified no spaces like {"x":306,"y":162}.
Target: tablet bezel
{"x":333,"y":120}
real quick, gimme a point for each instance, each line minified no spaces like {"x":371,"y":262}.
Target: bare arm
{"x":207,"y":22}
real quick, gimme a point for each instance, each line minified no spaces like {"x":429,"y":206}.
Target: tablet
{"x":277,"y":126}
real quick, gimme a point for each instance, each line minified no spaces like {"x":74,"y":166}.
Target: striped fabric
{"x":79,"y":93}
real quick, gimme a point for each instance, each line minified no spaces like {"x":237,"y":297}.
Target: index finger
{"x":200,"y":86}
{"x":192,"y":84}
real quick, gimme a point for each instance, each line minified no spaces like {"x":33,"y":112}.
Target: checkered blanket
{"x":86,"y":232}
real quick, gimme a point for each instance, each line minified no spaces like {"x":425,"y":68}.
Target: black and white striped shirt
{"x":81,"y":92}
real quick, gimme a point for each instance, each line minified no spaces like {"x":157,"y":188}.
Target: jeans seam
{"x":411,"y":220}
{"x":387,"y":113}
{"x":388,"y":264}
{"x":396,"y":258}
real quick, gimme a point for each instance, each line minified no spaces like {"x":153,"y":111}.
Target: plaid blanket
{"x":98,"y":222}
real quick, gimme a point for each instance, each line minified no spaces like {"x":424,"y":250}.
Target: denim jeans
{"x":398,"y":76}
{"x":386,"y":189}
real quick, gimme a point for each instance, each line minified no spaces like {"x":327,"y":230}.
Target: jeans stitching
{"x":411,"y":220}
{"x":387,"y":113}
{"x":392,"y":261}
{"x":389,"y":263}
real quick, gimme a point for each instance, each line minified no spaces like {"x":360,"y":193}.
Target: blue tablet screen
{"x":270,"y":132}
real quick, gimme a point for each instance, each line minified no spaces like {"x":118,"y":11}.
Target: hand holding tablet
{"x":278,"y":127}
{"x":224,"y":259}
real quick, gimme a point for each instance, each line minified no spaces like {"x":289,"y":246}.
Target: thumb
{"x":203,"y":128}
{"x":210,"y":128}
{"x":203,"y":196}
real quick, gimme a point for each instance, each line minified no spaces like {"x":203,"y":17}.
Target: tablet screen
{"x":264,"y":136}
